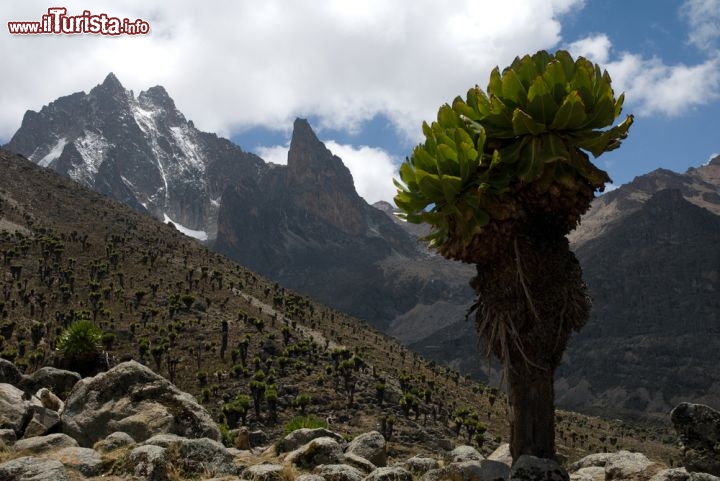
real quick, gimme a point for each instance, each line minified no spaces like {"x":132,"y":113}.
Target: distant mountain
{"x":650,"y":253}
{"x":700,"y":186}
{"x":305,"y":226}
{"x":138,"y":150}
{"x":212,"y":326}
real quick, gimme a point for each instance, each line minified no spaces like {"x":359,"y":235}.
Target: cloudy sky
{"x":366,"y":73}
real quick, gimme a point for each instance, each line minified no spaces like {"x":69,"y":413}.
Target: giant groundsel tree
{"x":502,"y":177}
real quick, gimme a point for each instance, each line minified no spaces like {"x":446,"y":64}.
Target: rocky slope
{"x":130,"y":423}
{"x":222,"y":333}
{"x":700,"y":186}
{"x":138,"y":150}
{"x":305,"y":226}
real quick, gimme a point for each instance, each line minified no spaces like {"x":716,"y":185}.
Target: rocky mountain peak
{"x":111,"y":88}
{"x":111,"y":82}
{"x":321,"y":182}
{"x":141,"y":151}
{"x":310,"y":162}
{"x":157,"y":96}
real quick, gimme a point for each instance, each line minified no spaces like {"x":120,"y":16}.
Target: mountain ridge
{"x":139,"y":150}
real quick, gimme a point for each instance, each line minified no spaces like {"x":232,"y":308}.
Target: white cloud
{"x":372,"y":168}
{"x":653,"y":87}
{"x":595,"y":48}
{"x":232,"y":65}
{"x":277,"y":154}
{"x":650,"y":85}
{"x":703,"y":17}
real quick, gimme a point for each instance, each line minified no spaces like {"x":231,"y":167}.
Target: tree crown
{"x":512,"y":153}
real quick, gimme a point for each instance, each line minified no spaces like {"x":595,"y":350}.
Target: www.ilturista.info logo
{"x":58,"y":22}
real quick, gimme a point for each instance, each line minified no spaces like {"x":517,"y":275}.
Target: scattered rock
{"x":195,"y":455}
{"x":8,"y":436}
{"x":370,"y":446}
{"x":476,"y":471}
{"x":132,"y":398}
{"x":596,"y":460}
{"x":624,"y":464}
{"x":14,"y":410}
{"x":9,"y":373}
{"x":59,"y":381}
{"x":502,"y":454}
{"x":591,"y":473}
{"x":338,"y":472}
{"x":302,"y":436}
{"x":318,"y":451}
{"x":393,"y":473}
{"x":264,"y":472}
{"x":148,"y":462}
{"x":258,"y":438}
{"x":703,"y":477}
{"x":420,"y":465}
{"x":41,"y":444}
{"x":698,"y":427}
{"x":352,"y":459}
{"x":433,"y":475}
{"x":29,"y":468}
{"x":675,"y":474}
{"x":309,"y":477}
{"x":42,"y":421}
{"x":530,"y":468}
{"x":114,"y":441}
{"x":491,"y":470}
{"x":86,"y":460}
{"x":463,"y":453}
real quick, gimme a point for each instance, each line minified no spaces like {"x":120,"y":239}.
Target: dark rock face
{"x":698,"y":427}
{"x":304,"y":226}
{"x":138,"y":150}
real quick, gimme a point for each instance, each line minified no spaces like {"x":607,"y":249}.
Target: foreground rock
{"x":370,"y":446}
{"x":530,"y":468}
{"x":133,"y":399}
{"x":29,"y":468}
{"x":319,"y":451}
{"x":698,"y":427}
{"x":302,"y":436}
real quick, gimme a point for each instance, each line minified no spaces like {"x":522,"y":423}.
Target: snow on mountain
{"x":138,"y":149}
{"x":54,"y":153}
{"x":200,"y":235}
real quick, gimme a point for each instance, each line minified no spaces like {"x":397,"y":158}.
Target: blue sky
{"x":367,"y":73}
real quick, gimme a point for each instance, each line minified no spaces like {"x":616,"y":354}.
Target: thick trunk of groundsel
{"x":530,"y":298}
{"x":532,"y":409}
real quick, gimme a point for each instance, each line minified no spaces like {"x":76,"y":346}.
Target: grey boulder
{"x":698,"y":427}
{"x":370,"y":446}
{"x":133,"y":399}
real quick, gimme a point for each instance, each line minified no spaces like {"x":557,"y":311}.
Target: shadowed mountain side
{"x":652,"y":339}
{"x":305,"y":226}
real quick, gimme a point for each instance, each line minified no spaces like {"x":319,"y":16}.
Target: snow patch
{"x":92,"y":147}
{"x":54,"y":153}
{"x":188,"y":147}
{"x":200,"y":235}
{"x":146,"y":121}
